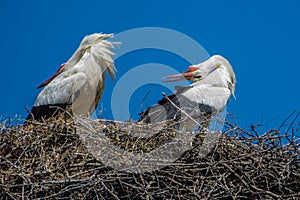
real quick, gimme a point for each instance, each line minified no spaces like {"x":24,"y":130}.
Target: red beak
{"x":52,"y":77}
{"x":187,"y":75}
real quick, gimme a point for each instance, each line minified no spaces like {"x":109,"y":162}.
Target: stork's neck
{"x":218,"y":78}
{"x":75,"y":58}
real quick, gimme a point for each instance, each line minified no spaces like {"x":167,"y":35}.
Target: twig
{"x":175,"y":106}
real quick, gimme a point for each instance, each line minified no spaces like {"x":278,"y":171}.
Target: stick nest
{"x":49,"y":160}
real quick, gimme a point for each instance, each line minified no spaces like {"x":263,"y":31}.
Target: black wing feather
{"x":164,"y":110}
{"x":45,"y":111}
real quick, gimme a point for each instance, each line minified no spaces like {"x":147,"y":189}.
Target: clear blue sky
{"x":260,"y":38}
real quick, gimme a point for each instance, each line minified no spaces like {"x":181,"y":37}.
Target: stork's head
{"x":100,"y":51}
{"x":99,"y":55}
{"x":215,"y":71}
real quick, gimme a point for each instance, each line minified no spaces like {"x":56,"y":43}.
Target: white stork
{"x":213,"y":83}
{"x":78,"y":84}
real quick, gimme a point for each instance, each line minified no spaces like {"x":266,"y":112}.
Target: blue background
{"x":260,"y":38}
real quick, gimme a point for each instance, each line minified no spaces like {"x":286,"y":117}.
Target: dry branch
{"x":48,"y":160}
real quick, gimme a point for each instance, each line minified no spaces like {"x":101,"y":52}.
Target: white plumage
{"x":213,"y":84}
{"x":78,"y":85}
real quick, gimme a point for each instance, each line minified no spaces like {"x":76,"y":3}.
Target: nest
{"x":50,"y":160}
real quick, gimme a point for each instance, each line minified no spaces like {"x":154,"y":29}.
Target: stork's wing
{"x":58,"y":94}
{"x":165,"y":110}
{"x":216,"y":97}
{"x":61,"y":90}
{"x":197,"y":102}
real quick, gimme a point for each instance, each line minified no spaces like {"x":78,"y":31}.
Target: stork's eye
{"x":197,"y":76}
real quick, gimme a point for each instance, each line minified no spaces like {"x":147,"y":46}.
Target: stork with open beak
{"x":213,"y":84}
{"x":78,"y":84}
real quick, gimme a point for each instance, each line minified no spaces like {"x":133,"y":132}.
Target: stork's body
{"x":77,"y":86}
{"x":213,"y":84}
